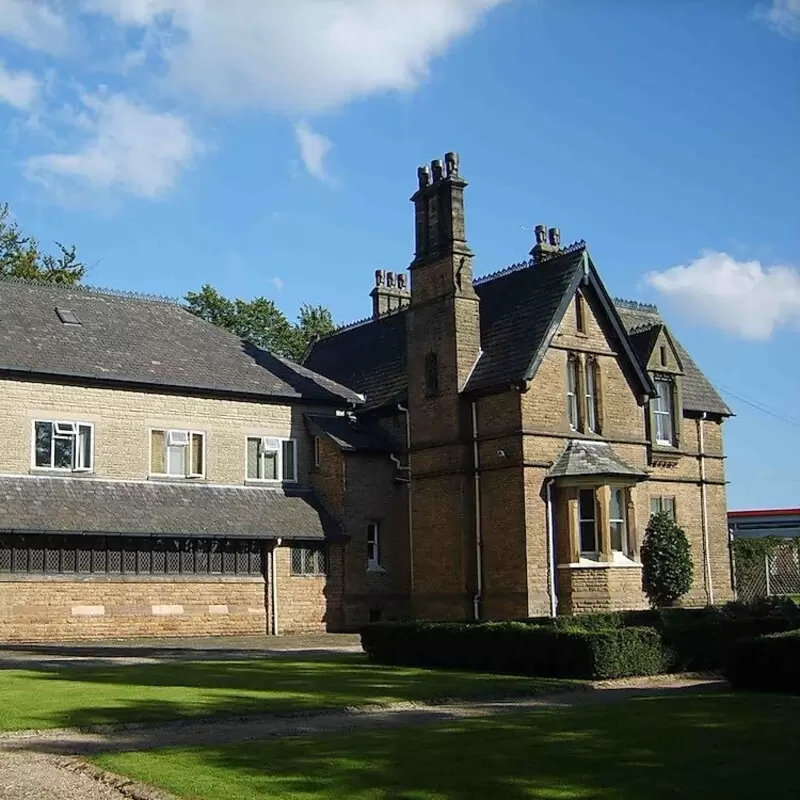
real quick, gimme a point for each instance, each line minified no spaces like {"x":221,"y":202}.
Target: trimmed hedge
{"x":767,"y":663}
{"x":517,"y":648}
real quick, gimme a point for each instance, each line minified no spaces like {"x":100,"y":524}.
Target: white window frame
{"x":573,"y":377}
{"x":590,"y":394}
{"x":77,"y":450}
{"x":374,"y":546}
{"x":168,"y":434}
{"x":281,"y":441}
{"x":659,"y":501}
{"x":621,"y":520}
{"x":588,"y":553}
{"x":667,"y":413}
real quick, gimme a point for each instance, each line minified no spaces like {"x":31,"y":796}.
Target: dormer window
{"x":664,"y":412}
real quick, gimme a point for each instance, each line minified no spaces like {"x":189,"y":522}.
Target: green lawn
{"x":726,"y":747}
{"x":79,"y":697}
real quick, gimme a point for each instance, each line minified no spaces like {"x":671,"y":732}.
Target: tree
{"x":666,"y":561}
{"x":21,"y":256}
{"x":261,"y":322}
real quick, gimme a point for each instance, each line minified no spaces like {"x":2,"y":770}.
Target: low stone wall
{"x":62,"y":609}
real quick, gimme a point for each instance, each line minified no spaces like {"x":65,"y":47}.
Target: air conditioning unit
{"x":66,"y":428}
{"x":175,"y":438}
{"x":270,"y":445}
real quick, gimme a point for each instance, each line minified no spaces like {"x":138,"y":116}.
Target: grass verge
{"x":74,"y":697}
{"x":710,"y":746}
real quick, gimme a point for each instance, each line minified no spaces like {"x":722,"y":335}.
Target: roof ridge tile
{"x":97,"y":290}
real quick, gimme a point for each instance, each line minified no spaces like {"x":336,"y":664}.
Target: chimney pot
{"x":555,"y":237}
{"x":437,"y":170}
{"x":541,"y":234}
{"x":390,"y":278}
{"x":401,"y":281}
{"x":379,"y":277}
{"x":424,"y":177}
{"x":451,"y":164}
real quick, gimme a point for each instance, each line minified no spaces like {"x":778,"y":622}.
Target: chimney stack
{"x":390,"y":293}
{"x":548,"y":242}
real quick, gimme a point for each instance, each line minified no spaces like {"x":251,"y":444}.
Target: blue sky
{"x":270,"y":148}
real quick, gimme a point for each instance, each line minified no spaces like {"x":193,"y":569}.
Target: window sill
{"x":61,"y":473}
{"x":269,"y":484}
{"x":619,"y":563}
{"x":317,"y":576}
{"x":177,"y":479}
{"x":376,"y":568}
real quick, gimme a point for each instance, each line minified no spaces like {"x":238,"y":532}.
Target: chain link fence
{"x":775,"y":574}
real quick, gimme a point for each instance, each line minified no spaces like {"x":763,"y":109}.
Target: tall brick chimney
{"x":390,"y":294}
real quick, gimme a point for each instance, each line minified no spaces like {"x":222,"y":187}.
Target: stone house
{"x":488,"y":448}
{"x":156,"y":478}
{"x":535,"y":424}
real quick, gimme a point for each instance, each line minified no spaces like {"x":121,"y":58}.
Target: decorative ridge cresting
{"x":572,"y":248}
{"x":95,"y":290}
{"x":635,"y":305}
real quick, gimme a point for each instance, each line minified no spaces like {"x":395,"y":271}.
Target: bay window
{"x":618,"y":526}
{"x":587,"y":522}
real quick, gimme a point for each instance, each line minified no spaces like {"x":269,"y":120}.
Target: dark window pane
{"x":52,"y":557}
{"x":322,"y":566}
{"x":20,"y":555}
{"x":187,"y":557}
{"x":62,"y":452}
{"x":99,"y":564}
{"x":288,"y":461}
{"x":84,"y":557}
{"x":173,"y":557}
{"x":44,"y":433}
{"x":587,"y":504}
{"x":298,"y":560}
{"x":115,"y":557}
{"x":159,"y":557}
{"x":228,"y":557}
{"x":243,"y":558}
{"x":36,"y":556}
{"x":255,"y":559}
{"x":215,"y":556}
{"x":201,"y":556}
{"x":588,"y":537}
{"x":6,"y":552}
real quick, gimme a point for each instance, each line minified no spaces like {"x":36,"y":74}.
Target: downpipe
{"x":551,"y":550}
{"x":478,"y":596}
{"x":704,"y":509}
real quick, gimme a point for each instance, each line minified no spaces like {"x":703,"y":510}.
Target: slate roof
{"x":348,"y":434}
{"x":587,"y":457}
{"x":133,"y":339}
{"x":698,"y":392}
{"x":520,"y":310}
{"x":76,"y":505}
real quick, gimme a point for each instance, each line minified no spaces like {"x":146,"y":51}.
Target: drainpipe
{"x":404,"y":411}
{"x":704,"y":509}
{"x":551,"y":548}
{"x":476,"y":600}
{"x":273,"y":579}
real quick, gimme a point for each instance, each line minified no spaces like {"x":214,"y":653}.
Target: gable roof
{"x":65,"y":505}
{"x":138,"y":340}
{"x":520,"y":311}
{"x":644,"y":323}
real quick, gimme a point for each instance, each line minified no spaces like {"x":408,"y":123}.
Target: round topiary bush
{"x":667,"y":561}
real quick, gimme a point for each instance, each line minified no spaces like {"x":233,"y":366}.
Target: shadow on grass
{"x":715,"y":746}
{"x":78,"y":697}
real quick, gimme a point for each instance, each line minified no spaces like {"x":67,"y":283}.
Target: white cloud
{"x":783,"y":16}
{"x":742,"y":298}
{"x":33,"y":24}
{"x":303,"y":56}
{"x":277,"y":283}
{"x":314,"y":147}
{"x":127,"y":146}
{"x":18,"y":89}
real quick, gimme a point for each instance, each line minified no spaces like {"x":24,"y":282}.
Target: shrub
{"x":766,"y":663}
{"x":517,"y":647}
{"x":666,"y":561}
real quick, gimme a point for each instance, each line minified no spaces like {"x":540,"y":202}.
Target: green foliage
{"x":667,"y":561}
{"x":22,"y":257}
{"x":766,"y":663}
{"x":262,"y":323}
{"x":749,"y":555}
{"x":516,"y":647}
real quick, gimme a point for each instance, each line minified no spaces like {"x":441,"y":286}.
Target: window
{"x":317,"y":451}
{"x":580,"y":313}
{"x":67,"y":317}
{"x":271,"y":459}
{"x":587,"y":515}
{"x":616,"y":521}
{"x":431,"y":374}
{"x":663,"y":355}
{"x":572,"y":392}
{"x":121,"y":555}
{"x":179,"y":454}
{"x":65,"y":446}
{"x":663,"y":505}
{"x":591,"y":396}
{"x":663,"y":412}
{"x":309,"y":560}
{"x":373,"y":546}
